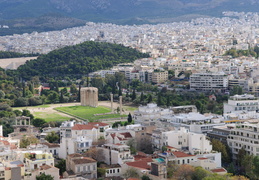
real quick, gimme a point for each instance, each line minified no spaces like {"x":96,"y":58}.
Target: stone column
{"x":120,"y":105}
{"x":112,"y":102}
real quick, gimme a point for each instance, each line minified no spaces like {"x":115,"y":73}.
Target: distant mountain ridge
{"x":112,"y":10}
{"x":29,"y":15}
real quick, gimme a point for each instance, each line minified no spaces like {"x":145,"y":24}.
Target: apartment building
{"x":246,"y":136}
{"x":240,"y":103}
{"x":186,"y":140}
{"x":77,"y":165}
{"x":116,"y":154}
{"x":159,"y":76}
{"x":209,"y":81}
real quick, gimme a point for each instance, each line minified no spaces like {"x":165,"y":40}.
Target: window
{"x":118,"y":170}
{"x":78,"y":169}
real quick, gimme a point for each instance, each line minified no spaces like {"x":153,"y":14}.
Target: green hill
{"x":78,"y":60}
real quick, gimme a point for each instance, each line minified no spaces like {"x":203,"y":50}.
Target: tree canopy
{"x":78,"y":60}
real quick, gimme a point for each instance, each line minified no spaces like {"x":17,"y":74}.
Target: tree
{"x":33,"y":101}
{"x":171,"y":168}
{"x":26,"y":141}
{"x":21,"y":101}
{"x":239,"y":178}
{"x":149,"y":98}
{"x":95,"y":153}
{"x":129,"y":118}
{"x":184,"y":172}
{"x":131,"y":173}
{"x":215,"y":177}
{"x":43,"y":176}
{"x":101,"y":172}
{"x":159,"y":100}
{"x":145,"y":177}
{"x":248,"y":165}
{"x":73,"y":89}
{"x":133,"y":96}
{"x":38,"y":122}
{"x":62,"y":166}
{"x":142,"y":98}
{"x":225,"y":151}
{"x":2,"y":94}
{"x":200,"y":173}
{"x":241,"y":153}
{"x":53,"y":97}
{"x":132,"y":144}
{"x":52,"y":137}
{"x":61,"y":97}
{"x":256,"y":165}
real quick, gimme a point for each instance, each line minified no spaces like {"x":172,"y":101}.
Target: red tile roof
{"x":112,"y":135}
{"x":83,"y":127}
{"x":98,"y":123}
{"x":6,"y":143}
{"x":51,"y":145}
{"x":139,"y":157}
{"x":142,"y":164}
{"x":202,"y":158}
{"x":180,"y":154}
{"x":218,"y":170}
{"x":126,"y":135}
{"x":75,"y":155}
{"x":84,"y":160}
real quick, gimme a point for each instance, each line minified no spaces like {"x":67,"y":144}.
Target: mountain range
{"x":121,"y":11}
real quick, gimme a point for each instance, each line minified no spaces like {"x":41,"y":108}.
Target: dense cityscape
{"x":188,"y":111}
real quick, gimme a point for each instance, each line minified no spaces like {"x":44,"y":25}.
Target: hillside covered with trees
{"x":78,"y":60}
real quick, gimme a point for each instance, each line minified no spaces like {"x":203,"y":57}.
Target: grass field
{"x":87,"y":112}
{"x":50,"y":116}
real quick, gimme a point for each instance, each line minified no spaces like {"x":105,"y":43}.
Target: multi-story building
{"x":80,"y":137}
{"x":150,"y":112}
{"x":12,"y":170}
{"x":209,"y":81}
{"x":77,"y":165}
{"x":47,"y":147}
{"x":116,"y":153}
{"x":159,"y":76}
{"x":220,"y":132}
{"x":186,"y":140}
{"x":195,"y":122}
{"x":35,"y":159}
{"x":240,"y":103}
{"x":244,"y":136}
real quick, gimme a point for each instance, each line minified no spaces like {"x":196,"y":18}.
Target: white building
{"x":246,"y":136}
{"x":150,"y":112}
{"x":80,"y":137}
{"x":186,"y":140}
{"x":195,"y":122}
{"x":240,"y":103}
{"x":209,"y":81}
{"x":116,"y":154}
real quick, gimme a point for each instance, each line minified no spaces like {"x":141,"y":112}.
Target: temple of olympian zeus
{"x":89,"y":97}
